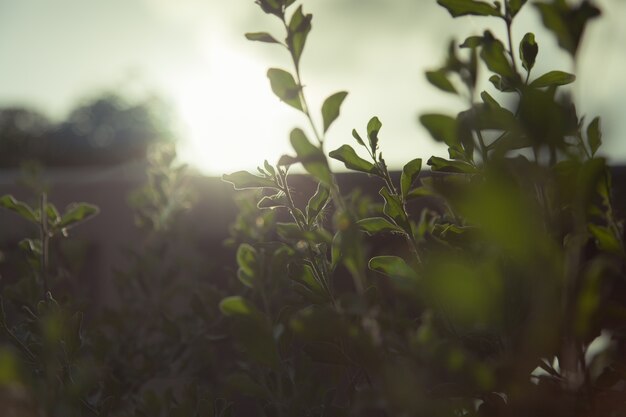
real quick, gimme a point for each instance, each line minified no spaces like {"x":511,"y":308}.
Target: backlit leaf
{"x":331,"y":108}
{"x":348,"y":156}
{"x":317,"y":202}
{"x":375,"y":225}
{"x":261,"y":37}
{"x":77,"y":213}
{"x":243,"y":179}
{"x":410,"y":172}
{"x":299,"y":28}
{"x":553,"y":78}
{"x":284,"y":86}
{"x":311,"y":157}
{"x":528,"y":50}
{"x":440,"y":80}
{"x":441,"y":127}
{"x":469,"y":7}
{"x":594,"y":135}
{"x":21,"y":208}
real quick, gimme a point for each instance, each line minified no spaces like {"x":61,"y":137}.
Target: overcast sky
{"x":192,"y":52}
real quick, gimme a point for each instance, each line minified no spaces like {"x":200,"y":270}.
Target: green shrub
{"x":505,"y":299}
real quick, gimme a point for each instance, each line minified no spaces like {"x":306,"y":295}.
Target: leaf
{"x":77,"y":213}
{"x":271,"y":7}
{"x":501,"y":84}
{"x":277,"y":200}
{"x":469,"y":7}
{"x":443,"y":165}
{"x":351,"y":160}
{"x":317,"y":202}
{"x":494,"y":56}
{"x":472,"y":42}
{"x":394,"y":209}
{"x":515,"y":6}
{"x":605,"y":238}
{"x":247,"y":258}
{"x":331,"y":107}
{"x":285,"y":87}
{"x":299,"y":28}
{"x":357,"y":137}
{"x":373,"y":127}
{"x":440,"y":80}
{"x":238,"y":306}
{"x":553,"y":78}
{"x":24,"y":210}
{"x":594,"y":135}
{"x":375,"y":225}
{"x":394,"y":267}
{"x":442,"y":128}
{"x":528,"y":50}
{"x":242,"y":180}
{"x":311,"y":157}
{"x":490,"y":101}
{"x":410,"y":172}
{"x":261,"y":37}
{"x":567,"y":22}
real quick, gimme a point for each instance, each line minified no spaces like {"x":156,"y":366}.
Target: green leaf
{"x":567,"y":22}
{"x":311,"y":157}
{"x":317,"y":203}
{"x":472,"y":42}
{"x":243,"y":179}
{"x":238,"y":306}
{"x":299,"y":28}
{"x":261,"y":37}
{"x":443,"y":165}
{"x":77,"y":213}
{"x":442,"y":128}
{"x":331,"y":107}
{"x":285,"y":87}
{"x":494,"y":56}
{"x":594,"y":135}
{"x":394,"y":209}
{"x":553,"y":78}
{"x":528,"y":50}
{"x":394,"y":267}
{"x":469,"y":7}
{"x":271,"y":7}
{"x":357,"y":137}
{"x":19,"y":207}
{"x":351,"y":160}
{"x":440,"y":80}
{"x":515,"y":6}
{"x":605,"y":239}
{"x":53,"y":214}
{"x":375,"y":225}
{"x":32,"y":246}
{"x":277,"y":200}
{"x":410,"y":172}
{"x":373,"y":127}
{"x":490,"y":101}
{"x":501,"y":84}
{"x":248,"y":262}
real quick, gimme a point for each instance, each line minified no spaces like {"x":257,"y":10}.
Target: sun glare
{"x":231,"y":120}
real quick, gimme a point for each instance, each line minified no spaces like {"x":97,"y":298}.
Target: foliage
{"x":492,"y":285}
{"x":505,"y":299}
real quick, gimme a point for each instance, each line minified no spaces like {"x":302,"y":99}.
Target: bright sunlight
{"x":229,"y":115}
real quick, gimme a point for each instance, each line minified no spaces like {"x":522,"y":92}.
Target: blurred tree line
{"x":105,"y":130}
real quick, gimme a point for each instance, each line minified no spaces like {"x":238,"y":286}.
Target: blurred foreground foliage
{"x":493,"y":285}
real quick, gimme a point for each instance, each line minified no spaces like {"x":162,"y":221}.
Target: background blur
{"x":112,"y":75}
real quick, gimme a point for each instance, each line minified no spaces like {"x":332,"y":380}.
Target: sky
{"x":54,"y":54}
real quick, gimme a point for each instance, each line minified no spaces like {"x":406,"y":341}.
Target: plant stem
{"x":509,"y":23}
{"x":45,"y":237}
